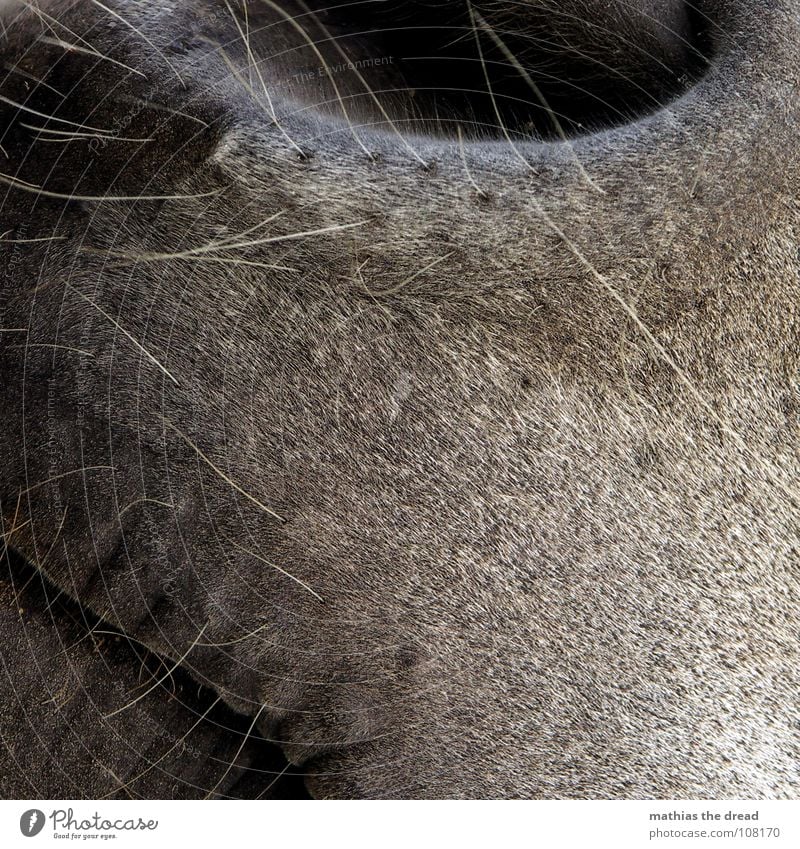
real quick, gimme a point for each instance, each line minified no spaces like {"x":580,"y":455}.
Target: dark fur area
{"x":458,"y":464}
{"x":65,"y":676}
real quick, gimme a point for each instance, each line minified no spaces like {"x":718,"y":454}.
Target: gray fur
{"x":491,"y":492}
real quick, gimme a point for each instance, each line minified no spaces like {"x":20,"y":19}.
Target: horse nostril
{"x":588,"y":63}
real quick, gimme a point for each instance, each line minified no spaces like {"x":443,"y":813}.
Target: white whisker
{"x":74,"y":48}
{"x":125,"y":333}
{"x":160,"y":680}
{"x":222,"y":474}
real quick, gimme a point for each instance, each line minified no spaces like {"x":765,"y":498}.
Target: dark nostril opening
{"x":541,"y":66}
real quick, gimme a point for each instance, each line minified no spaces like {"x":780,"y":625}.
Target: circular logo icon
{"x":31,"y":822}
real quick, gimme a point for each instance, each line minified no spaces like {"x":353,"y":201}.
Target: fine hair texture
{"x":400,"y":427}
